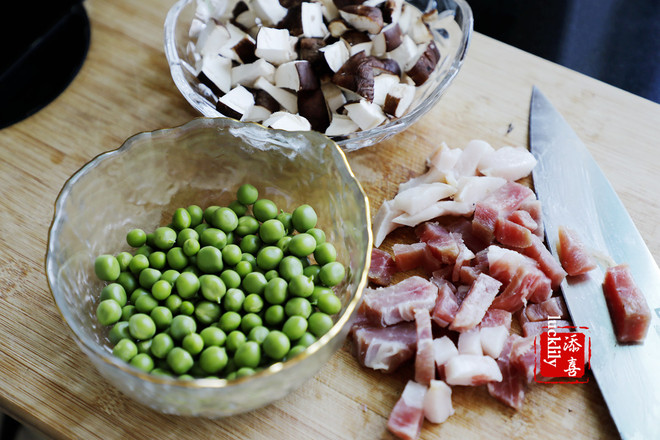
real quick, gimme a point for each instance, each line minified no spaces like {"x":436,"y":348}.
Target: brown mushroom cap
{"x":312,"y":106}
{"x":425,"y":65}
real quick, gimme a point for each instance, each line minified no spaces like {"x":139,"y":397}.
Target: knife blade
{"x":575,"y":193}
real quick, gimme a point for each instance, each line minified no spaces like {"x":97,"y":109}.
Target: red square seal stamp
{"x":562,"y":355}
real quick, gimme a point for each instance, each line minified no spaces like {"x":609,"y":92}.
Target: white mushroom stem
{"x":286,"y":99}
{"x":270,"y":12}
{"x":276,"y":45}
{"x":336,"y":55}
{"x":365,"y":114}
{"x":311,"y":16}
{"x":238,"y":99}
{"x":247,"y":74}
{"x":218,"y":70}
{"x":287,"y":121}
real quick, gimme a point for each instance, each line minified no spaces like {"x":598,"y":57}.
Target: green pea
{"x":318,"y":234}
{"x":164,"y":238}
{"x":161,"y":372}
{"x":271,"y":231}
{"x":234,"y":340}
{"x":127,"y":311}
{"x":233,"y":300}
{"x":298,"y":307}
{"x":162,"y":317}
{"x":248,"y":355}
{"x":193,"y":343}
{"x":250,"y":259}
{"x":285,"y":219}
{"x":196,"y":215}
{"x":124,"y":259}
{"x":209,"y":259}
{"x":148,"y":277}
{"x":306,"y":339}
{"x":231,"y":278}
{"x":274,"y":315}
{"x":161,"y":344}
{"x":138,"y":263}
{"x":114,"y":291}
{"x":108,"y":312}
{"x":141,"y":326}
{"x":332,"y":274}
{"x":187,"y":308}
{"x":145,"y":249}
{"x":213,"y":359}
{"x":224,"y":219}
{"x":143,"y":361}
{"x":312,"y":272}
{"x":273,"y":273}
{"x":185,"y":235}
{"x":118,"y":332}
{"x":319,"y":323}
{"x":157,"y":260}
{"x":207,"y":312}
{"x":212,"y":287}
{"x":253,"y":303}
{"x":249,"y":321}
{"x":300,"y":285}
{"x":187,"y":285}
{"x":125,"y":350}
{"x":161,"y":289}
{"x":229,"y":321}
{"x":128,"y":281}
{"x":289,"y":267}
{"x":181,"y":219}
{"x":146,"y":303}
{"x":106,"y":268}
{"x":208,"y":213}
{"x":213,"y":336}
{"x":283,"y":243}
{"x":302,"y":245}
{"x":170,"y":276}
{"x":254,"y":282}
{"x":173,"y":302}
{"x":213,"y":237}
{"x":269,"y":257}
{"x":243,"y":268}
{"x":191,"y":247}
{"x":231,"y":254}
{"x":144,"y":346}
{"x":136,"y":238}
{"x":239,"y":208}
{"x":276,"y":345}
{"x":179,"y":360}
{"x":181,"y":326}
{"x":325,"y":253}
{"x":303,"y":218}
{"x":136,"y":294}
{"x":246,"y":225}
{"x":244,"y":372}
{"x":329,"y":303}
{"x":177,"y":259}
{"x":250,"y":244}
{"x":295,"y":327}
{"x":276,"y":290}
{"x":264,"y":209}
{"x":295,"y":351}
{"x":258,"y":334}
{"x":247,"y":194}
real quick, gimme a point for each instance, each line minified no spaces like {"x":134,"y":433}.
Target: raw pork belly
{"x":471,"y":369}
{"x":390,"y":305}
{"x":573,"y":255}
{"x":542,"y":311}
{"x":382,"y":267}
{"x":446,"y":306}
{"x":437,"y":402}
{"x":511,"y":389}
{"x":407,"y":417}
{"x":628,"y":308}
{"x":425,"y":357}
{"x":500,"y":203}
{"x":474,"y":306}
{"x":385,"y":348}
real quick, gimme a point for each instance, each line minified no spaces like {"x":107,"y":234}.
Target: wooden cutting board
{"x":125,"y":87}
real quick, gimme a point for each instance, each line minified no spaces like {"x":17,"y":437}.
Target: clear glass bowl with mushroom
{"x":358,"y":73}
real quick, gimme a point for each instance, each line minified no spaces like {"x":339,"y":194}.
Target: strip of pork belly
{"x":493,"y":340}
{"x":535,"y":328}
{"x":554,"y":306}
{"x":424,"y":357}
{"x":407,"y":416}
{"x":383,"y":222}
{"x":474,"y":306}
{"x":500,"y":203}
{"x":573,"y":255}
{"x":523,"y":356}
{"x":533,"y":206}
{"x":435,"y":210}
{"x":628,"y":308}
{"x":546,"y":261}
{"x":414,"y":199}
{"x":511,"y":163}
{"x":413,"y":256}
{"x":385,"y":348}
{"x":524,"y":218}
{"x":510,"y":233}
{"x":443,"y":350}
{"x":382,"y":267}
{"x":527,"y":282}
{"x":446,"y":306}
{"x":472,"y":154}
{"x":470,"y":369}
{"x":437,"y":402}
{"x":473,"y":189}
{"x":495,"y":318}
{"x":440,"y":164}
{"x":396,"y":303}
{"x":511,"y":389}
{"x":504,"y":263}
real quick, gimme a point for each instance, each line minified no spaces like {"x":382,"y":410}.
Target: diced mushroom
{"x":409,"y":15}
{"x":257,"y":114}
{"x":218,"y":71}
{"x":311,"y":15}
{"x":334,"y":98}
{"x":286,"y":99}
{"x":276,"y":45}
{"x":292,"y":22}
{"x":352,"y":37}
{"x":236,"y":103}
{"x":405,"y":52}
{"x":212,"y":39}
{"x":246,"y":19}
{"x":425,"y":64}
{"x":244,"y":50}
{"x":363,"y":18}
{"x":365,"y":114}
{"x":270,"y":12}
{"x":392,"y":10}
{"x":398,"y":99}
{"x":247,"y":74}
{"x":296,"y":75}
{"x":336,"y":54}
{"x":357,"y":75}
{"x":311,"y":106}
{"x":382,"y":85}
{"x":330,"y":11}
{"x":287,"y":121}
{"x":263,"y":99}
{"x":341,"y":125}
{"x":337,"y":27}
{"x":420,"y":32}
{"x":361,"y":47}
{"x":387,"y":40}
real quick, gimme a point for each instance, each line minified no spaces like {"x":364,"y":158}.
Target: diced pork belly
{"x":443,"y":350}
{"x":383,"y":222}
{"x":573,"y":255}
{"x":407,"y":416}
{"x":493,"y":339}
{"x":472,"y":154}
{"x":474,"y":306}
{"x":385,"y":348}
{"x":523,"y":356}
{"x":504,"y":263}
{"x":465,"y":256}
{"x":511,"y":389}
{"x":469,"y":342}
{"x":443,"y":245}
{"x":424,"y":357}
{"x":533,"y":206}
{"x":500,"y":203}
{"x":554,"y":306}
{"x":446,"y":306}
{"x":414,"y":199}
{"x":524,"y":218}
{"x":628,"y":308}
{"x":474,"y":189}
{"x":463,"y":228}
{"x":546,"y":261}
{"x":390,"y":305}
{"x":435,"y":210}
{"x":467,"y":274}
{"x":535,"y":328}
{"x":437,"y":402}
{"x":382,"y":267}
{"x":511,"y":163}
{"x":470,"y":369}
{"x":527,"y":283}
{"x":495,"y":318}
{"x":409,"y":256}
{"x":510,"y":233}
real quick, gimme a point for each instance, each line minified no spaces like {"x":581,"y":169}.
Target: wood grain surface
{"x":125,"y":87}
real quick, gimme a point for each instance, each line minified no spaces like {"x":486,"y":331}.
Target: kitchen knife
{"x":575,"y":193}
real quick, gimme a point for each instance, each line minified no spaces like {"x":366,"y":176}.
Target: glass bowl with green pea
{"x":137,"y":194}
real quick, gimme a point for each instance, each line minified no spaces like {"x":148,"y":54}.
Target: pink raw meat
{"x":474,"y":306}
{"x":573,"y":256}
{"x":446,"y":306}
{"x":629,"y":311}
{"x":424,"y":358}
{"x":385,"y":348}
{"x":511,"y":389}
{"x":409,"y":256}
{"x":382,"y":267}
{"x":546,"y":261}
{"x":500,"y":203}
{"x":390,"y":305}
{"x":542,"y":311}
{"x":496,"y":317}
{"x":407,"y":416}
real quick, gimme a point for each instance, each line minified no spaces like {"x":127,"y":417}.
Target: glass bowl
{"x":453,"y":49}
{"x":202,"y":162}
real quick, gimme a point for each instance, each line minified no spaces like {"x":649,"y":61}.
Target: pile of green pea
{"x":220,"y":292}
